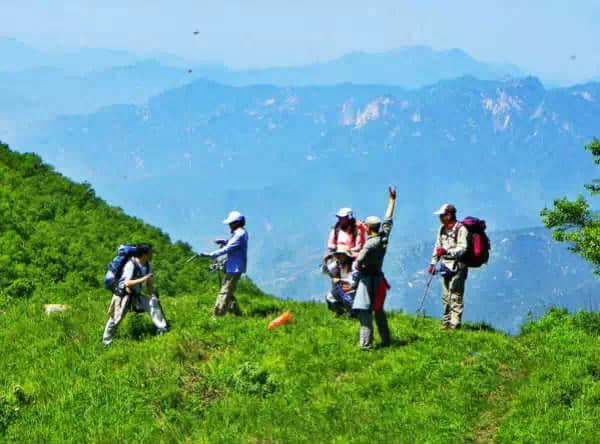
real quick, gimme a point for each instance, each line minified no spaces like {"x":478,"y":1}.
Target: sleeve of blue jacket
{"x":233,"y":244}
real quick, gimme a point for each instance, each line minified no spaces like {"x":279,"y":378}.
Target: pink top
{"x":345,"y":239}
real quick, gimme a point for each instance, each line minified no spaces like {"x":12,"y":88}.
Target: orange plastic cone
{"x":283,"y":319}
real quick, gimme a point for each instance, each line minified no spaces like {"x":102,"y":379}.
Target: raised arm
{"x":389,"y":213}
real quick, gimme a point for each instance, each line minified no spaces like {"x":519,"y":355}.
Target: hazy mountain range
{"x":411,"y":67}
{"x":38,"y":85}
{"x":496,"y":148}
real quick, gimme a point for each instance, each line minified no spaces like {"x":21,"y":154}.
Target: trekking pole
{"x":191,"y":259}
{"x":422,"y":301}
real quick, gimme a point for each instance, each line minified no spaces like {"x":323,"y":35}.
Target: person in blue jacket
{"x":236,"y":250}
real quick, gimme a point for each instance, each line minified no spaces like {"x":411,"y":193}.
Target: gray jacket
{"x":369,"y":263}
{"x":370,"y":258}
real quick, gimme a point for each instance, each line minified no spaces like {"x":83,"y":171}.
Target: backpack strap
{"x":456,"y":228}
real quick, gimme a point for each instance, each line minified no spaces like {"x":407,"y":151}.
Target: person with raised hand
{"x":372,"y":285}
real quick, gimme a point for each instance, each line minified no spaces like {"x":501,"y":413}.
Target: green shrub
{"x":249,"y":379}
{"x":20,"y":288}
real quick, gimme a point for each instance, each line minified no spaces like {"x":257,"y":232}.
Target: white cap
{"x":345,"y":212}
{"x":446,"y":208}
{"x":234,"y":216}
{"x":372,"y":220}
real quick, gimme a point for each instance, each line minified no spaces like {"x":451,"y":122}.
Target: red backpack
{"x":478,"y":244}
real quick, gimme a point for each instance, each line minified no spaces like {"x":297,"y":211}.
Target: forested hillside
{"x":232,"y":380}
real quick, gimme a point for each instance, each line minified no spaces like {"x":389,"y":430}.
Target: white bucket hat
{"x":234,"y":216}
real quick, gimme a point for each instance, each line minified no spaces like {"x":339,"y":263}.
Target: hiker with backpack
{"x":372,"y":285}
{"x":126,"y":275}
{"x":348,"y":232}
{"x":236,"y":250}
{"x":458,"y":246}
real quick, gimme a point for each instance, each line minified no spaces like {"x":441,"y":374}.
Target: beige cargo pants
{"x":226,"y":301}
{"x":119,"y":306}
{"x":453,"y":289}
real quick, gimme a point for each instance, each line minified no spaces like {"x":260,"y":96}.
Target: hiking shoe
{"x":161,"y":331}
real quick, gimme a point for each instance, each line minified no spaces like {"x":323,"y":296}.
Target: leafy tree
{"x":575,"y":222}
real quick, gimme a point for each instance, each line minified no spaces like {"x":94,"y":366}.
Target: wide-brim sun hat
{"x":234,"y":216}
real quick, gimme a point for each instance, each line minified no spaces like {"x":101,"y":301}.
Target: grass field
{"x":233,"y":380}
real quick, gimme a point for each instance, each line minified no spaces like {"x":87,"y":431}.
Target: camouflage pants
{"x":226,"y":301}
{"x":453,"y":289}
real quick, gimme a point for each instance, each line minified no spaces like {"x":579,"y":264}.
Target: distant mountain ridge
{"x":410,"y":67}
{"x":16,"y":56}
{"x":37,"y":85}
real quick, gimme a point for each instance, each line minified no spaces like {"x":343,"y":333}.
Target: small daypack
{"x":115,"y":268}
{"x":478,"y":243}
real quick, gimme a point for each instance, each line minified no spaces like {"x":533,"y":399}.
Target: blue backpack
{"x":115,"y":268}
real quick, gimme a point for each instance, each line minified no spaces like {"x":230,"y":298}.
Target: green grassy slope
{"x":232,"y":380}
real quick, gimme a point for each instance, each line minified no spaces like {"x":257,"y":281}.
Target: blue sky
{"x":538,"y":35}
